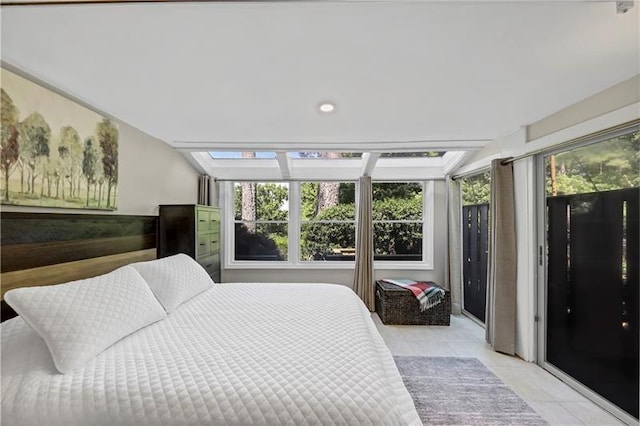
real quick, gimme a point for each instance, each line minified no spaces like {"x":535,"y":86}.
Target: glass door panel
{"x":592,"y":202}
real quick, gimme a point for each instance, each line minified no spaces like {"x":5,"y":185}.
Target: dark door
{"x":475,"y":249}
{"x":592,"y":267}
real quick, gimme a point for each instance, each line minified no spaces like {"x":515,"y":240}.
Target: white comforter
{"x":238,"y":354}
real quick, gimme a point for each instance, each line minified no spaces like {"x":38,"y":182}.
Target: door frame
{"x":541,"y":322}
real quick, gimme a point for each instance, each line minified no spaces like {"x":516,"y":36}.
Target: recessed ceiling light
{"x":326,"y":107}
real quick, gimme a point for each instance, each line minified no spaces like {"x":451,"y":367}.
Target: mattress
{"x":237,"y":354}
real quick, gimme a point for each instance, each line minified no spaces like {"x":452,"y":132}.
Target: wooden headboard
{"x":51,"y":248}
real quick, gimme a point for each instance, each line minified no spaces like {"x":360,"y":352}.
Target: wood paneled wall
{"x":51,"y":248}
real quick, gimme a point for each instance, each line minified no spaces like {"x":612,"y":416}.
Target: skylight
{"x":413,"y":154}
{"x":324,"y":155}
{"x":242,"y":155}
{"x":274,"y":166}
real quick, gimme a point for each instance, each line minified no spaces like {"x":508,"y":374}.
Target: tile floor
{"x":554,"y":401}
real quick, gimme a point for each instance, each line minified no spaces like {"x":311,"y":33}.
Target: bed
{"x":233,"y":354}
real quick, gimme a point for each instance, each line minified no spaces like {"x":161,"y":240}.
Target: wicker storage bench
{"x":397,"y":305}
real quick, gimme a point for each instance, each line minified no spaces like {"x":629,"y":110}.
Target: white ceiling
{"x":252,"y":74}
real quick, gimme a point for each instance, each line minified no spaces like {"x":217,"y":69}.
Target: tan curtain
{"x":453,"y":269}
{"x":501,"y":287}
{"x":363,"y":280}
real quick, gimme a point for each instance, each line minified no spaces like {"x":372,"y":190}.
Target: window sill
{"x":328,"y":265}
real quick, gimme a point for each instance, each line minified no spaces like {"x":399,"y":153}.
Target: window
{"x":606,"y":166}
{"x":327,"y":221}
{"x":261,"y":221}
{"x":412,"y":154}
{"x":325,"y":155}
{"x":225,"y":155}
{"x":314,"y":224}
{"x":398,"y":221}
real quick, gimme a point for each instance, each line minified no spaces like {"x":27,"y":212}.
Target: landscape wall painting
{"x":55,"y":152}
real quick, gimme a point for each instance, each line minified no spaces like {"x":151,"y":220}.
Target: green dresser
{"x":194,"y":230}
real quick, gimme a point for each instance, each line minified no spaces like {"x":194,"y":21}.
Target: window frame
{"x":313,"y":263}
{"x":294,"y":232}
{"x":427,"y":230}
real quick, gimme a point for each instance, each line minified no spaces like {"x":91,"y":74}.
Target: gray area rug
{"x":461,"y":391}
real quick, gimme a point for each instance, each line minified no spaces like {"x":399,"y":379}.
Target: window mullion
{"x":428,"y":230}
{"x":295,"y":207}
{"x":229,"y":223}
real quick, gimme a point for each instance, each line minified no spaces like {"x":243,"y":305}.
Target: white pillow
{"x":80,"y":319}
{"x":174,"y":279}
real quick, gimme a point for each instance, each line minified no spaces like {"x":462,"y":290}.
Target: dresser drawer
{"x":202,"y":220}
{"x":211,"y":264}
{"x":214,"y":243}
{"x":203,"y":246}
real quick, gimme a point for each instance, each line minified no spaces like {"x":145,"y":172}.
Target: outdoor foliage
{"x":606,"y":166}
{"x":269,"y":202}
{"x":253,"y":245}
{"x":613,"y":164}
{"x":385,"y":190}
{"x":475,"y":189}
{"x":328,"y":223}
{"x":319,"y":239}
{"x":397,"y":238}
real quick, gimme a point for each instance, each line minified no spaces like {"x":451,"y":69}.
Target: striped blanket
{"x":428,"y":294}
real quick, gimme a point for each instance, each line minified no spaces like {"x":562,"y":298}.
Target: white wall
{"x":150,"y":173}
{"x":580,"y":119}
{"x":583,"y":118}
{"x":345,"y":276}
{"x":618,"y":96}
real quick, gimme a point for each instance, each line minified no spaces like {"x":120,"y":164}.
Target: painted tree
{"x":35,"y":135}
{"x":248,"y":209}
{"x":98,"y":180}
{"x":89,"y":159}
{"x":10,"y":148}
{"x":70,"y":151}
{"x":51,"y":167}
{"x":107,"y":135}
{"x":56,"y":172}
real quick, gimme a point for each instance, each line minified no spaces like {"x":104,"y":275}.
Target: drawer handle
{"x":214,"y":242}
{"x":202,"y":244}
{"x":209,"y":265}
{"x":201,"y":220}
